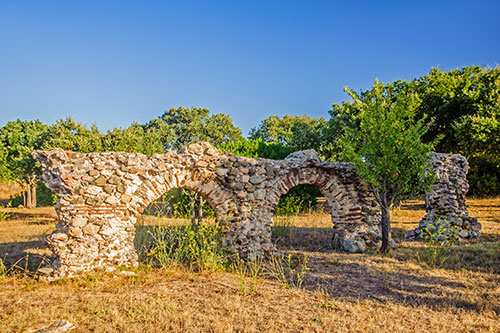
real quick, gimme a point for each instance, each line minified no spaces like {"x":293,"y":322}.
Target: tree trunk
{"x":191,"y":198}
{"x":200,"y":209}
{"x":33,"y":195}
{"x":385,"y":224}
{"x":28,"y":196}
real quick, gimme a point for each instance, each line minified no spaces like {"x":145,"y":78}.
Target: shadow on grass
{"x":357,"y":276}
{"x":304,"y":239}
{"x":32,"y":218}
{"x":23,"y":257}
{"x":362,"y":281}
{"x":371,"y":276}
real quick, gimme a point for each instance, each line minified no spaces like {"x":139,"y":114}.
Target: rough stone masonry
{"x":100,"y":196}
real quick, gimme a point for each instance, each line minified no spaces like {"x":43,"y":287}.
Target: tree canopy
{"x":386,"y":147}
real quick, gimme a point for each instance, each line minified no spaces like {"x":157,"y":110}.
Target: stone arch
{"x":100,"y":196}
{"x":204,"y":184}
{"x":321,"y":179}
{"x":353,"y":211}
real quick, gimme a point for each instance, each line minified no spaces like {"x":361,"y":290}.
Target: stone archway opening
{"x":301,"y":218}
{"x":180,"y":227}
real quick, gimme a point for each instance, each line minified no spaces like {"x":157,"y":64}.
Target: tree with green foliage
{"x":196,"y":124}
{"x":18,"y":139}
{"x":181,"y":126}
{"x":295,"y":132}
{"x":386,"y":148}
{"x":5,"y":173}
{"x":69,"y":134}
{"x":135,"y":139}
{"x":464,"y":106}
{"x":257,"y":148}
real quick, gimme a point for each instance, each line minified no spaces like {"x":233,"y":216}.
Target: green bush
{"x":299,"y":199}
{"x":484,"y":176}
{"x":196,"y":245}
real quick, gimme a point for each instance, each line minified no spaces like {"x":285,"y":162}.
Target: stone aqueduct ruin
{"x":100,"y":196}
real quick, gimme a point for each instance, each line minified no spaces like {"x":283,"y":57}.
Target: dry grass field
{"x":418,"y":288}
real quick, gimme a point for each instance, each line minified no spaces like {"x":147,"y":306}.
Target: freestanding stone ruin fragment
{"x":447,"y":217}
{"x":100,"y":196}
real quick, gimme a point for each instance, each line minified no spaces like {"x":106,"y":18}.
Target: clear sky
{"x":115,"y":62}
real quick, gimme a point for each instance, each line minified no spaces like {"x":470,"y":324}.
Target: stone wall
{"x":100,"y":196}
{"x":446,"y":216}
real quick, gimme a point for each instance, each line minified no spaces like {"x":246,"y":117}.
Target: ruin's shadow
{"x":351,"y":280}
{"x":24,"y":257}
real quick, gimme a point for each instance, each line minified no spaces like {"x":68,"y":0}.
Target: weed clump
{"x":197,"y":246}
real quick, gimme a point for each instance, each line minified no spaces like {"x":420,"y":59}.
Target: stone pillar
{"x":446,"y":216}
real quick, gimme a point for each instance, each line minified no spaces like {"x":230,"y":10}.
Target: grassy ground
{"x":418,"y":288}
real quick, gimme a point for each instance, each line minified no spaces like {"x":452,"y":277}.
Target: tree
{"x":295,"y":132}
{"x":134,"y":139}
{"x":5,"y":173}
{"x":19,"y":138}
{"x":71,"y":135}
{"x":192,"y":125}
{"x":257,"y":148}
{"x":386,"y":148}
{"x":196,"y":124}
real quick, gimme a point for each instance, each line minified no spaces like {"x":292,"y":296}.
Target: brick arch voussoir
{"x":338,"y":196}
{"x":205,"y":184}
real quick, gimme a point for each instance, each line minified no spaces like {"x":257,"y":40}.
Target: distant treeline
{"x":463,"y":105}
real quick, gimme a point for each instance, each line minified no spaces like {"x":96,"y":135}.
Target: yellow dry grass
{"x":9,"y":189}
{"x":405,"y":292}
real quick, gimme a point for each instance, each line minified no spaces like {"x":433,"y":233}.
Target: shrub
{"x":196,"y":245}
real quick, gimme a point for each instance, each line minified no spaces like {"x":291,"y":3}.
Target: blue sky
{"x":115,"y":62}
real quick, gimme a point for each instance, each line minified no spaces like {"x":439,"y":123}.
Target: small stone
{"x":99,"y":181}
{"x":93,"y":190}
{"x":108,"y":188}
{"x":45,"y":271}
{"x":211,"y":151}
{"x":249,"y":187}
{"x":111,"y":200}
{"x":62,"y":237}
{"x":114,"y":180}
{"x":257,"y":179}
{"x":126,"y":198}
{"x":221,"y":172}
{"x":244,"y":171}
{"x":350,"y":246}
{"x":244,"y":178}
{"x":241,"y":195}
{"x":77,"y":201}
{"x":120,"y":188}
{"x":238,"y":186}
{"x":361,"y":246}
{"x":93,"y":173}
{"x":260,"y":194}
{"x":410,"y":234}
{"x":75,"y":232}
{"x":93,"y":201}
{"x":201,"y":164}
{"x":90,"y":229}
{"x":464,"y":234}
{"x":79,"y":222}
